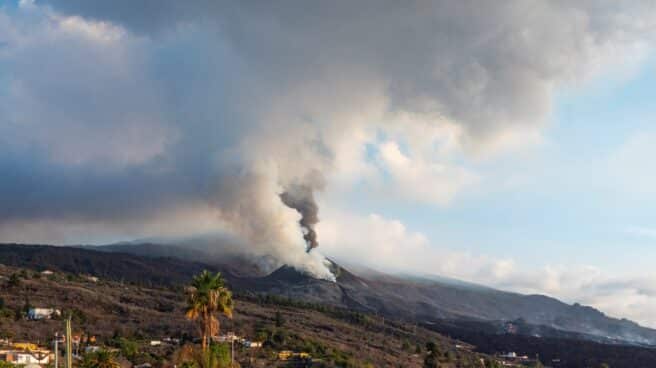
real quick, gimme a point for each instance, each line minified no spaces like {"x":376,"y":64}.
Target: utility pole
{"x":69,"y":344}
{"x":56,"y":349}
{"x":232,"y":351}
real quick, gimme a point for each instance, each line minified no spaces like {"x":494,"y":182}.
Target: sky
{"x":507,"y":144}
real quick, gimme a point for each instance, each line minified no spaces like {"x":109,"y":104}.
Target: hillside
{"x":416,"y":299}
{"x":115,"y":312}
{"x":115,"y":266}
{"x":426,"y":300}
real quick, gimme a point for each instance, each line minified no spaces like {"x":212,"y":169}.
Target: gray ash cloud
{"x":301,"y":198}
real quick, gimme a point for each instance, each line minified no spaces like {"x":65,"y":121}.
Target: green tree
{"x":206,"y":297}
{"x":215,"y":356}
{"x":490,"y":363}
{"x":26,"y":306}
{"x":432,"y":356}
{"x":280,"y":320}
{"x":100,"y":359}
{"x":129,"y":348}
{"x":431,"y":360}
{"x":14,"y":281}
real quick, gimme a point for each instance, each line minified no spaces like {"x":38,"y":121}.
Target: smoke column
{"x":301,"y":198}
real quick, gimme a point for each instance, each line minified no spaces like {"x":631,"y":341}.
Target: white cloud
{"x":418,"y":180}
{"x":387,"y":244}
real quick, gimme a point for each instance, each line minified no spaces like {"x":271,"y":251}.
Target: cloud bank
{"x":387,"y":245}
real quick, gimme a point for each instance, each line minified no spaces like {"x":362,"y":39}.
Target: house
{"x":93,"y":279}
{"x":171,"y":340}
{"x":92,"y":349}
{"x":155,"y":343}
{"x":230,"y":336}
{"x":25,"y":357}
{"x":25,"y":346}
{"x":252,"y":344}
{"x":42,"y":313}
{"x":47,"y":273}
{"x":292,"y":355}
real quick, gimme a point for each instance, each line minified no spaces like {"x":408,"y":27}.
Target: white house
{"x":32,"y":358}
{"x":92,"y":349}
{"x":92,"y":278}
{"x":42,"y":313}
{"x":18,"y":357}
{"x":252,"y":344}
{"x":230,"y":336}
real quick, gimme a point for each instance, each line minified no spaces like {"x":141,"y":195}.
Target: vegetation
{"x":206,"y":297}
{"x":215,"y":356}
{"x":125,"y":317}
{"x":14,"y":281}
{"x":100,"y":359}
{"x":4,"y":364}
{"x":432,"y":356}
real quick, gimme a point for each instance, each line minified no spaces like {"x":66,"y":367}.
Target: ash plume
{"x":301,"y":198}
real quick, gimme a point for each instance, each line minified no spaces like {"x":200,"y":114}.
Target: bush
{"x":14,"y":281}
{"x":280,"y":320}
{"x":129,"y":348}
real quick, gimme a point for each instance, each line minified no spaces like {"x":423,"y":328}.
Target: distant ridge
{"x":126,"y":267}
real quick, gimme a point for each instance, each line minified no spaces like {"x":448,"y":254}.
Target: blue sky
{"x":558,"y":216}
{"x":566,"y":211}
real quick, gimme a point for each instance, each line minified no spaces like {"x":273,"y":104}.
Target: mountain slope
{"x":413,"y":299}
{"x":429,"y":301}
{"x":424,"y":299}
{"x":234,"y":264}
{"x":115,"y":266}
{"x":113,"y":311}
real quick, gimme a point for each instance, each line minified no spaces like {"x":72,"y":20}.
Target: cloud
{"x":387,"y":244}
{"x":420,"y":180}
{"x":116,"y":114}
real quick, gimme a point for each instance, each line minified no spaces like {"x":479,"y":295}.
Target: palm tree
{"x":206,"y":297}
{"x":100,"y":359}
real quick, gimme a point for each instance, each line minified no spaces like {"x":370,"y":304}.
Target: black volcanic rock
{"x":286,"y":275}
